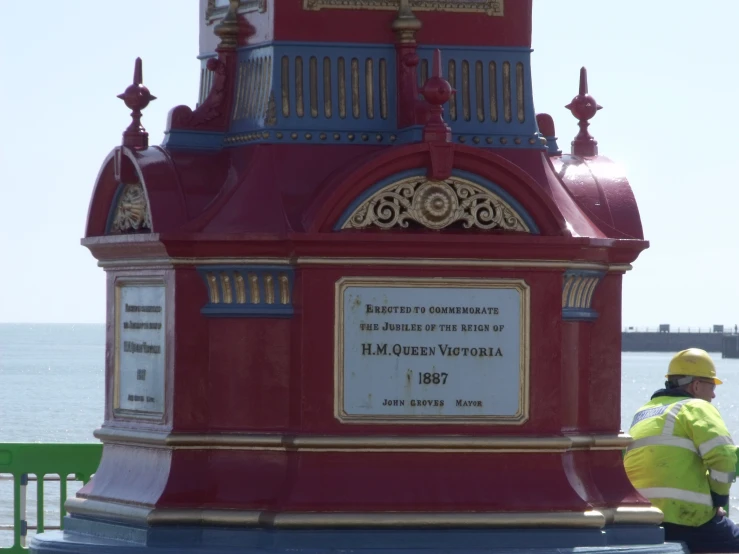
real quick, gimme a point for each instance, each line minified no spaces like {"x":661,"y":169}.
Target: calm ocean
{"x":52,"y":379}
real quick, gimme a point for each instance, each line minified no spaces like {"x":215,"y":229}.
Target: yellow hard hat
{"x":694,"y":362}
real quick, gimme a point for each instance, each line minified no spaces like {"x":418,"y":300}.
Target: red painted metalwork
{"x":584,"y":107}
{"x":136,"y":97}
{"x":268,"y":376}
{"x":437,"y":91}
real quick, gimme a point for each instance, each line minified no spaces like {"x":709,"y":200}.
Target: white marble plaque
{"x":427,"y":350}
{"x":140,"y":348}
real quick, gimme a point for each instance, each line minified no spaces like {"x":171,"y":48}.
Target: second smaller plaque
{"x":140,"y":349}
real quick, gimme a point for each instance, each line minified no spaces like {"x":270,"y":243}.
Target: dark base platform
{"x":88,"y":537}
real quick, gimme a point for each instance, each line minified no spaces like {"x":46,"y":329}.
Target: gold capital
{"x":228,"y":29}
{"x":406,"y":24}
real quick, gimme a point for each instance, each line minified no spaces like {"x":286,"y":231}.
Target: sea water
{"x":52,"y":390}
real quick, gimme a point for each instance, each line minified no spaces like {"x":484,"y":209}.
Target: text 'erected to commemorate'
{"x":140,"y":348}
{"x":432,"y":350}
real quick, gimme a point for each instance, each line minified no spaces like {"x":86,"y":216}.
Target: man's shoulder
{"x":698,"y":404}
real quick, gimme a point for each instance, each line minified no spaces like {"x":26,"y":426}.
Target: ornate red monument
{"x":359,"y":298}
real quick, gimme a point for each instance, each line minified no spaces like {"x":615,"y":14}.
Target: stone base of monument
{"x":87,"y":537}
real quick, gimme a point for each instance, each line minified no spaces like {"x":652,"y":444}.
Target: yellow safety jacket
{"x":682,"y":459}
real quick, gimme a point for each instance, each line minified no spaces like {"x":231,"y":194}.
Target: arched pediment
{"x":461,"y":200}
{"x":136,"y":192}
{"x":417,"y":187}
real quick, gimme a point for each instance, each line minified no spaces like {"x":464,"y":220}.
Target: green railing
{"x":43,"y":462}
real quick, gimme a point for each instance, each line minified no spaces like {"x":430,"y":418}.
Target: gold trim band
{"x":339,"y":443}
{"x":594,"y":519}
{"x":435,"y":262}
{"x":632,"y":515}
{"x":462,"y":262}
{"x":488,"y":7}
{"x":145,"y":262}
{"x":108,"y":510}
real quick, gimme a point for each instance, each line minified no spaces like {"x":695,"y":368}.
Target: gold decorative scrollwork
{"x":435,"y":205}
{"x":490,"y":7}
{"x":131,"y":213}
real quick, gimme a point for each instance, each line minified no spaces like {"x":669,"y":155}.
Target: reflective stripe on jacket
{"x":681,"y":453}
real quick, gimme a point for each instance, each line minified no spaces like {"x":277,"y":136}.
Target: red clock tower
{"x":360,"y":299}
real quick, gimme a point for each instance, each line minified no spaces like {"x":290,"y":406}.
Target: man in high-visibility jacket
{"x":683,"y":459}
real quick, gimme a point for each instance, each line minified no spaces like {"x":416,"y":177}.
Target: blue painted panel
{"x":360,"y":136}
{"x":197,"y":140}
{"x":584,"y":273}
{"x":479,"y":119}
{"x":574,"y":314}
{"x":253,"y":88}
{"x":354,"y":70}
{"x":302,"y":136}
{"x":230,"y":310}
{"x":315,"y":65}
{"x":262,"y":115}
{"x":410,"y":134}
{"x":248,"y":291}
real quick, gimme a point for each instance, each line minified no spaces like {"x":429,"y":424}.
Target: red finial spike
{"x":136,"y":97}
{"x":583,"y":81}
{"x":437,"y":91}
{"x":437,"y":63}
{"x":138,"y":72}
{"x":584,"y":108}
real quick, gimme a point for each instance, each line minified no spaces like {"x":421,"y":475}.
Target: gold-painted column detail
{"x":248,"y":291}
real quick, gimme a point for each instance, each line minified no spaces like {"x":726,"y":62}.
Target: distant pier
{"x":719,"y":338}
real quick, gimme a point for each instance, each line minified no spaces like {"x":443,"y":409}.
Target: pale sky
{"x":665,"y":72}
